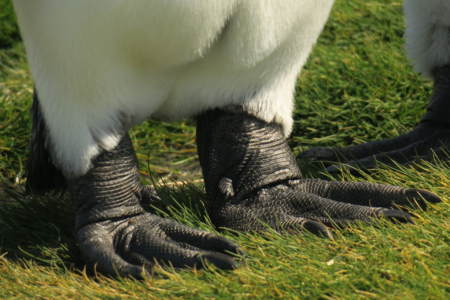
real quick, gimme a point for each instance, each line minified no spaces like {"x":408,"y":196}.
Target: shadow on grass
{"x":42,"y":228}
{"x":186,"y":203}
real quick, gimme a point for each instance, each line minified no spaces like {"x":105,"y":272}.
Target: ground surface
{"x":356,"y":87}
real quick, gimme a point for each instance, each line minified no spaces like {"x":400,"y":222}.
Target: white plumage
{"x":427,"y":34}
{"x":102,"y":66}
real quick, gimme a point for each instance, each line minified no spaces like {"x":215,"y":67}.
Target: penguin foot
{"x":253,"y":182}
{"x":131,"y":246}
{"x":423,"y":143}
{"x":117,"y":237}
{"x":312,"y":204}
{"x":431,"y":138}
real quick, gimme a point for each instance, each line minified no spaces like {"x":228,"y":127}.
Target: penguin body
{"x":427,"y":34}
{"x":100,"y":67}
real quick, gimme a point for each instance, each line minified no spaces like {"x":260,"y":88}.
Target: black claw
{"x":149,"y":195}
{"x":392,"y":214}
{"x":354,"y":167}
{"x":318,"y":153}
{"x":334,"y":168}
{"x":221,"y":244}
{"x":241,"y":252}
{"x":419,"y":194}
{"x":339,"y":167}
{"x":221,"y":261}
{"x":137,"y":272}
{"x":317,"y":228}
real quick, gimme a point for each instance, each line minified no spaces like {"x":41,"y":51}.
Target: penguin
{"x":427,"y":46}
{"x":102,"y":66}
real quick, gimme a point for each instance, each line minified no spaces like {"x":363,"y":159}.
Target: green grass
{"x":9,"y":31}
{"x":357,"y":86}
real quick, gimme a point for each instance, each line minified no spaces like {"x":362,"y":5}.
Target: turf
{"x":357,"y":86}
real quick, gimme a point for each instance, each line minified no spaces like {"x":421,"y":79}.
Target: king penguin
{"x":102,"y":66}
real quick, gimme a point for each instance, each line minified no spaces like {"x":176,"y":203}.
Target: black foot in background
{"x":117,"y":237}
{"x":422,"y":143}
{"x":430,"y":138}
{"x":253,"y":181}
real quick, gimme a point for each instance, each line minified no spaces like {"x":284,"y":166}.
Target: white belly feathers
{"x":102,"y":66}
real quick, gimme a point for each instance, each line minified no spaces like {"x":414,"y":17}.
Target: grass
{"x":357,"y":86}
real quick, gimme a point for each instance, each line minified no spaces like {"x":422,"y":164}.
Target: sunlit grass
{"x":356,"y":87}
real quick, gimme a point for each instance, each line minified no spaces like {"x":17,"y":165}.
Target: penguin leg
{"x":431,"y":137}
{"x":253,"y":181}
{"x":115,"y":235}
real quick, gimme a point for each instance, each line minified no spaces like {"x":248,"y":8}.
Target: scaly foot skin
{"x":431,"y":137}
{"x":253,"y":181}
{"x":117,"y":237}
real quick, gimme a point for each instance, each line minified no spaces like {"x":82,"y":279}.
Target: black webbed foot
{"x":117,"y":237}
{"x":129,"y":247}
{"x":253,"y":181}
{"x":430,"y":138}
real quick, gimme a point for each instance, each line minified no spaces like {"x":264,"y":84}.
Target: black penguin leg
{"x":117,"y":237}
{"x":42,"y":175}
{"x":253,"y":181}
{"x":431,"y":137}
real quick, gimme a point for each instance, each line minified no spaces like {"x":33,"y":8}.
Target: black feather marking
{"x":42,"y":175}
